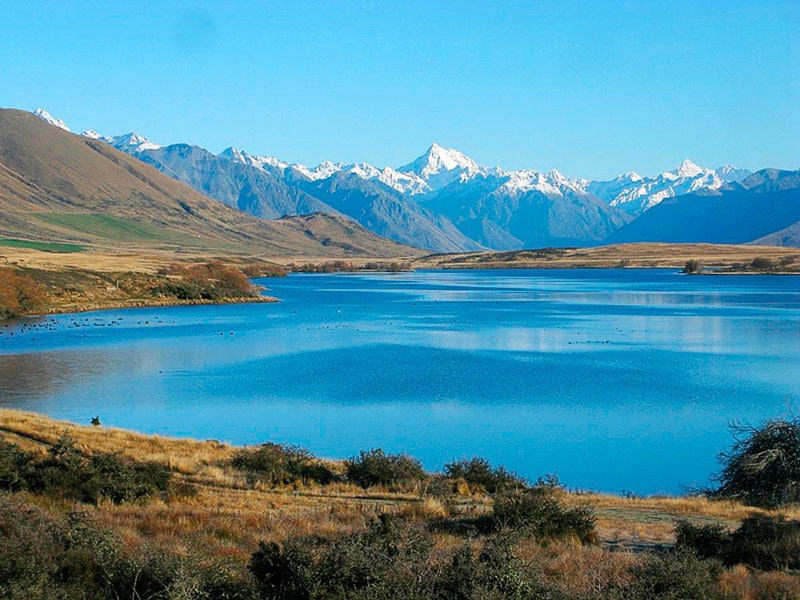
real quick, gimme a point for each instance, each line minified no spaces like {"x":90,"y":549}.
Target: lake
{"x":616,"y":380}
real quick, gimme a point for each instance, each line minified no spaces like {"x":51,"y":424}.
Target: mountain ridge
{"x":443,"y":200}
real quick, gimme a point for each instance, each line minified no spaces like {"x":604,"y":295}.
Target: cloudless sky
{"x":591,"y":88}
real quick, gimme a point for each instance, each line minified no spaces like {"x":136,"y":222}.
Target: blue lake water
{"x":614,"y":379}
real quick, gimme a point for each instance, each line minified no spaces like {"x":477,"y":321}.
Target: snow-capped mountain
{"x":635,"y":194}
{"x":405,"y":183}
{"x":259,"y":162}
{"x":443,"y":200}
{"x":439,"y":167}
{"x":48,"y":118}
{"x":125,"y":142}
{"x":552,"y":182}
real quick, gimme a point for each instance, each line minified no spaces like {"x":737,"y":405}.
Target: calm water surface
{"x":615,"y":379}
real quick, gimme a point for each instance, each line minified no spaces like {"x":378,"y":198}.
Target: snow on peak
{"x":439,"y":166}
{"x":322,"y":171}
{"x":93,"y":135}
{"x":48,"y":118}
{"x":437,"y":159}
{"x":630,"y":176}
{"x":731,"y":173}
{"x":132,"y":141}
{"x":259,"y":162}
{"x":553,"y":182}
{"x":689,"y":169}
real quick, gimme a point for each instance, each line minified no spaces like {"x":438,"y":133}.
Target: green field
{"x":112,"y":228}
{"x":43,"y":246}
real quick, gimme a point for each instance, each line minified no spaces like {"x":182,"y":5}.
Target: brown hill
{"x":57,"y":186}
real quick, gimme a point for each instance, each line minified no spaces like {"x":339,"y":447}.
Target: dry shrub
{"x":264,"y":270}
{"x":19,"y":294}
{"x":763,"y":466}
{"x":207,"y":281}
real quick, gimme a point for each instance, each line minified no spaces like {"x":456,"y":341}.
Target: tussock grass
{"x":229,"y":515}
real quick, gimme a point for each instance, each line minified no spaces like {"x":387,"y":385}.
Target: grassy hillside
{"x":216,"y":504}
{"x":57,"y":186}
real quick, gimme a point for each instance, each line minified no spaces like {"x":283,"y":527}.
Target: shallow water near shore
{"x":614,"y":379}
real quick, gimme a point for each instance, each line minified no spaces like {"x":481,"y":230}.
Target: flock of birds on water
{"x":11,"y":329}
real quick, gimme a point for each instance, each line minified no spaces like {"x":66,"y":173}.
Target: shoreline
{"x":121,"y":305}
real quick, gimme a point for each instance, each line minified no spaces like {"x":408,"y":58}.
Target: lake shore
{"x":79,"y":282}
{"x":714,"y":258}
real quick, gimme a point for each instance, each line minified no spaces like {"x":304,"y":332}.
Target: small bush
{"x":762,"y":264}
{"x":693,"y":267}
{"x":374,"y":467}
{"x":479,"y":474}
{"x":706,"y":541}
{"x":538,"y":512}
{"x":278,"y":574}
{"x":763,"y":466}
{"x":675,"y":576}
{"x":16,"y":467}
{"x":282,"y":464}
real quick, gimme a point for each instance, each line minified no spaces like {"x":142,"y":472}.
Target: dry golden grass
{"x":620,"y":255}
{"x":228,"y":512}
{"x":227,"y":517}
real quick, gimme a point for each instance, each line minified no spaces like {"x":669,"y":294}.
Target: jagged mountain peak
{"x":688,"y":168}
{"x":48,"y":118}
{"x":440,"y":166}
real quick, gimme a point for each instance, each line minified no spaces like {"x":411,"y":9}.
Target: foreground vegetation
{"x":105,"y":513}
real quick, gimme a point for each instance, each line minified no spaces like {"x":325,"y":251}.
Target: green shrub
{"x":766,"y":543}
{"x":538,"y":512}
{"x":479,"y":474}
{"x":66,"y":472}
{"x":761,"y":542}
{"x":16,"y":467}
{"x":393,"y":558}
{"x":282,"y":464}
{"x":706,"y":541}
{"x":675,"y":576}
{"x":374,"y":467}
{"x":763,"y":466}
{"x":279,"y":575}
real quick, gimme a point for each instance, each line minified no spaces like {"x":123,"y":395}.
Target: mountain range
{"x":445,"y":201}
{"x":56,"y":185}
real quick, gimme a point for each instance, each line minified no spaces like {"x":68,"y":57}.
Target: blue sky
{"x":589,"y":88}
